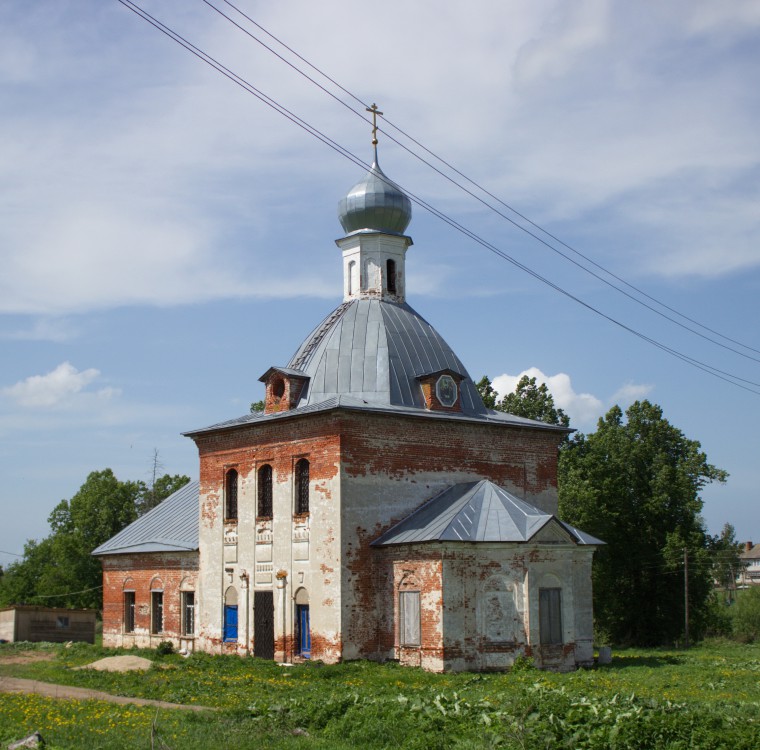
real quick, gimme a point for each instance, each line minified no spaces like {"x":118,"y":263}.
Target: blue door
{"x":304,"y":631}
{"x":230,"y":622}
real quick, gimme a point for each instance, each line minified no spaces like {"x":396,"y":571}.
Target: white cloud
{"x":161,"y":183}
{"x":57,"y":330}
{"x":629,"y":393}
{"x":582,"y":408}
{"x":57,"y":388}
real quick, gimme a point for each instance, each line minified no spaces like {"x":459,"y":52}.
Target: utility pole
{"x":686,"y":593}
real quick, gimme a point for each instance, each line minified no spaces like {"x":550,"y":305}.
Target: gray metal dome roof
{"x":375,"y":350}
{"x":375,"y":203}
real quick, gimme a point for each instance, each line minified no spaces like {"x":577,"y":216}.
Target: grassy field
{"x":708,"y":697}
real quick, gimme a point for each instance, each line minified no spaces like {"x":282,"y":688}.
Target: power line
{"x":295,"y":119}
{"x":65,"y":593}
{"x":14,"y":554}
{"x":487,"y":192}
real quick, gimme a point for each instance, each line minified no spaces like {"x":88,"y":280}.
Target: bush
{"x":718,"y":615}
{"x":746,"y":616}
{"x":164,"y":648}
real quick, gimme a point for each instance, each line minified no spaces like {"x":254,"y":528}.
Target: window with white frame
{"x":187,"y":603}
{"x":409,"y":618}
{"x":550,"y":616}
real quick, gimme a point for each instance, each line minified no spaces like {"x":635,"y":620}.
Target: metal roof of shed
{"x":475,"y":512}
{"x":172,"y":526}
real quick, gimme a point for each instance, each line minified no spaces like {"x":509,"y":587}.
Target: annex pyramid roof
{"x":481,"y":512}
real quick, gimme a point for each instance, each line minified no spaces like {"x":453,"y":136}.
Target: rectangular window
{"x":188,"y":613}
{"x":129,"y":611}
{"x":550,"y":616}
{"x":62,"y":621}
{"x":156,"y":612}
{"x":409,"y":618}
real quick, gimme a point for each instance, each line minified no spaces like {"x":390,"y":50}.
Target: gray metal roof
{"x":474,"y":512}
{"x":375,"y":203}
{"x":376,"y":350}
{"x":172,"y":526}
{"x":352,"y":403}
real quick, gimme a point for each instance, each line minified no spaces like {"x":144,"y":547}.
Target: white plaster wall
{"x":306,"y":550}
{"x":372,"y":251}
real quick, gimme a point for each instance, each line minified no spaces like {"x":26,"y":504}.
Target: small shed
{"x":23,"y":622}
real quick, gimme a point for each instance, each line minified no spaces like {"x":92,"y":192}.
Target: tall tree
{"x":726,"y":563}
{"x":529,"y":399}
{"x":635,"y":484}
{"x":59,"y":570}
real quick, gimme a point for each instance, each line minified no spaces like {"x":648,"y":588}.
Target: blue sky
{"x":165,"y":237}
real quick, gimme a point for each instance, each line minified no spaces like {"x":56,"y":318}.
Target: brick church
{"x":375,"y":509}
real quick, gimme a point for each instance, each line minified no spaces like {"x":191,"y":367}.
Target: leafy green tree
{"x":745,"y":616}
{"x":635,"y":484}
{"x":529,"y":400}
{"x":59,"y":570}
{"x":487,"y":393}
{"x":726,"y":563}
{"x":534,"y":402}
{"x":149,"y":496}
{"x":257,"y":406}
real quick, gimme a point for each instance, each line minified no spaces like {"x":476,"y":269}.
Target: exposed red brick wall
{"x":399,"y":447}
{"x":282,"y":392}
{"x":431,"y":396}
{"x":140,"y":570}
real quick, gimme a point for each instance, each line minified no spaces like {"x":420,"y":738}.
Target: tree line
{"x":635,"y":483}
{"x":59,"y":571}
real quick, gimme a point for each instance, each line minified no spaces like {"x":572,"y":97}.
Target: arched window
{"x":302,"y":486}
{"x":265,"y":491}
{"x":351,"y":280}
{"x":390,"y":268}
{"x":231,"y":496}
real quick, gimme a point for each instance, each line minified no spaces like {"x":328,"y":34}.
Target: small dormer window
{"x":390,"y":268}
{"x":446,"y":390}
{"x":278,"y":388}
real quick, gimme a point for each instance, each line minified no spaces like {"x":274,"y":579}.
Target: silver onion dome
{"x":375,"y":203}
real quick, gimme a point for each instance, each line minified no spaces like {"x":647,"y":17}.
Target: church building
{"x":375,"y":509}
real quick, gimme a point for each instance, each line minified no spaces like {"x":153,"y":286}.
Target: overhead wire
{"x":485,"y":191}
{"x":295,"y":119}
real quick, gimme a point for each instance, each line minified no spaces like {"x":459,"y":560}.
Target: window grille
{"x":302,"y":486}
{"x":231,"y":496}
{"x":129,"y":611}
{"x":265,"y":491}
{"x":157,"y":612}
{"x":409,"y":618}
{"x":188,"y":613}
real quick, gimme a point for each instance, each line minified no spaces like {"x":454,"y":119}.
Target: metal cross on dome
{"x":375,"y":112}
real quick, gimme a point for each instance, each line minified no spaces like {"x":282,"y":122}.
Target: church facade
{"x":375,"y":508}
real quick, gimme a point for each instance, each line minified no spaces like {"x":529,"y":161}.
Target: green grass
{"x":708,"y":697}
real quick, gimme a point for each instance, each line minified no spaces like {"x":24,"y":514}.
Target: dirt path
{"x":49,"y":690}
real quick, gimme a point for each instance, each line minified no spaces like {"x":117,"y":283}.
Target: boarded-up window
{"x":188,"y":613}
{"x":409,"y":618}
{"x":265,"y":491}
{"x":129,"y":611}
{"x":156,"y":611}
{"x":231,"y":496}
{"x":302,"y":486}
{"x":550,"y":615}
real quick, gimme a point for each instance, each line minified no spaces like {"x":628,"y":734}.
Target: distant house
{"x":52,"y":624}
{"x":749,"y":575}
